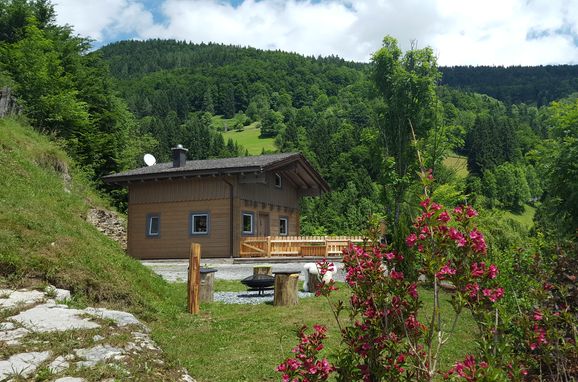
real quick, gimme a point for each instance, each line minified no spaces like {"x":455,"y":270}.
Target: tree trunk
{"x":286,"y":289}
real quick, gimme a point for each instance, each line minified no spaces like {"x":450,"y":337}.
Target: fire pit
{"x":259,"y":283}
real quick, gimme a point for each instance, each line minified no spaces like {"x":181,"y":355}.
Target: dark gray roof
{"x":205,"y":167}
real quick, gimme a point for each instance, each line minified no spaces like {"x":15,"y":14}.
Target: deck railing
{"x":268,"y":246}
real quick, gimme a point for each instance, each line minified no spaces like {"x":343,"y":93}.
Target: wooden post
{"x":286,"y":288}
{"x":194,"y":278}
{"x":268,"y":246}
{"x":262,"y":270}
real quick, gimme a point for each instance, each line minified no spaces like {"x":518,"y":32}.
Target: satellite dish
{"x":149,"y":159}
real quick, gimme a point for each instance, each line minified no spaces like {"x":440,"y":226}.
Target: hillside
{"x":44,"y":236}
{"x":537,"y":85}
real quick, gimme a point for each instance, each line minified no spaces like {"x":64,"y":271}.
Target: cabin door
{"x":263,"y":228}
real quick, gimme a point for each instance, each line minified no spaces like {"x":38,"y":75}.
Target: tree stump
{"x":286,"y":288}
{"x":313,"y":281}
{"x":206,"y":290}
{"x":262,"y":270}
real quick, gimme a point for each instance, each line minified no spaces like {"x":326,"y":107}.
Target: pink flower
{"x":470,"y":361}
{"x":445,"y":270}
{"x":389,"y":256}
{"x":457,"y":236}
{"x":477,"y":269}
{"x":444,"y":217}
{"x":396,"y":275}
{"x":410,"y":240}
{"x":493,"y":294}
{"x":492,"y":272}
{"x":412,"y":290}
{"x":479,"y":244}
{"x":470,"y":212}
{"x":473,"y":290}
{"x":458,"y":210}
{"x":425,"y":203}
{"x":537,"y":315}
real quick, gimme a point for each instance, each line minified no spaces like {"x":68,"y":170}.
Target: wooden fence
{"x":267,"y":246}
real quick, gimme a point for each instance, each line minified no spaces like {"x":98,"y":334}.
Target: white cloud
{"x":104,"y":19}
{"x":490,"y":32}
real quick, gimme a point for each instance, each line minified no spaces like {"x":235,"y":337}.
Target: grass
{"x":457,"y":163}
{"x":44,"y":238}
{"x":246,"y":342}
{"x":525,"y":218}
{"x":249,"y":139}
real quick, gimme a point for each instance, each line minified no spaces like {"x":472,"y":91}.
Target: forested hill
{"x":535,"y":85}
{"x":134,"y":58}
{"x":158,"y":76}
{"x":538,"y":85}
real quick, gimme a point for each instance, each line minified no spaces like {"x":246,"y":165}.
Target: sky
{"x":461,"y":32}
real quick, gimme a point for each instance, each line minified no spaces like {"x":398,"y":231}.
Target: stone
{"x":21,"y":298}
{"x":59,"y":364}
{"x":97,"y":338}
{"x":59,"y":294}
{"x":186,"y":377}
{"x":6,"y":326}
{"x":10,"y":337}
{"x":52,"y":318}
{"x":70,"y":379}
{"x":98,"y":353}
{"x":23,"y":364}
{"x":120,"y":318}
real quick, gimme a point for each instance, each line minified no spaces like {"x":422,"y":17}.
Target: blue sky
{"x":461,"y":32}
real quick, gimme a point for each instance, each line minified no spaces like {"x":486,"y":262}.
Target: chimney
{"x":179,"y":156}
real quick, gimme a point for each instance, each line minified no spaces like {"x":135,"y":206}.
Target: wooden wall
{"x":286,"y":196}
{"x":175,"y":200}
{"x":179,"y":190}
{"x":175,"y":238}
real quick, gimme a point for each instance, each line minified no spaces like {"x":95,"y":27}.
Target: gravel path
{"x":251,"y":298}
{"x":176,"y":270}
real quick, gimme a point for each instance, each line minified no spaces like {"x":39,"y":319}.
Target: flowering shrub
{"x":385,"y":341}
{"x":306,"y":366}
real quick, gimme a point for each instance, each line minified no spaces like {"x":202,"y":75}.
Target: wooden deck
{"x":304,"y":246}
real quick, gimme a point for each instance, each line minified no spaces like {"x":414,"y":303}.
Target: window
{"x":248,"y":223}
{"x":283,"y":226}
{"x":199,"y":223}
{"x":278,"y":183}
{"x":153,"y":227}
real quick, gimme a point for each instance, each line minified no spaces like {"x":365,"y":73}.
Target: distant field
{"x":457,"y":163}
{"x":249,"y":139}
{"x":526,"y":218}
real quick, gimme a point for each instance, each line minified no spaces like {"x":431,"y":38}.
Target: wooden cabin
{"x":214,"y":202}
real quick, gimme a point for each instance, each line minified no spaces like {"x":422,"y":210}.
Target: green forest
{"x":355,"y":122}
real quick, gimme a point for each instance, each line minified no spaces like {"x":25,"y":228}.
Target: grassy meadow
{"x":457,"y":163}
{"x":234,"y":343}
{"x":248,"y":138}
{"x":44,"y":238}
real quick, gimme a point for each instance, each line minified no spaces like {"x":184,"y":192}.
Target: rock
{"x":97,"y":338}
{"x":6,"y":326}
{"x":51,"y":318}
{"x":120,"y":318}
{"x":23,"y":364}
{"x":98,"y":353}
{"x":59,"y":364}
{"x":109,"y":223}
{"x":10,"y":337}
{"x":21,"y":298}
{"x":59,"y":294}
{"x":70,"y":379}
{"x":186,"y":377}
